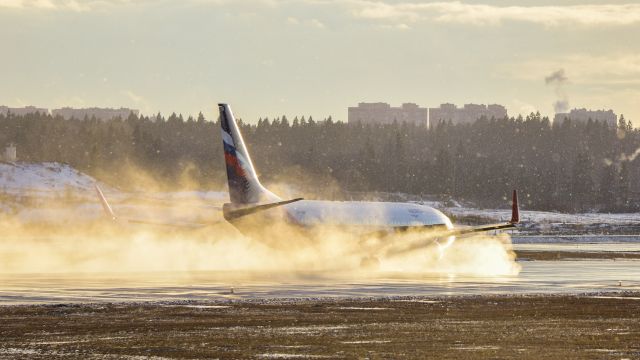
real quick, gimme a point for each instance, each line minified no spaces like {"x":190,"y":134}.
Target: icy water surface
{"x":558,"y":276}
{"x":575,"y":276}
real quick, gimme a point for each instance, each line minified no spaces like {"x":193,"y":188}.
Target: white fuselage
{"x":356,"y":216}
{"x":364,"y":214}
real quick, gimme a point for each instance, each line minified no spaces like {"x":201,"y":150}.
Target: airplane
{"x":260,"y":214}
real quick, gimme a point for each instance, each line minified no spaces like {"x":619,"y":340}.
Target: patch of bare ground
{"x":563,"y":255}
{"x":523,"y":327}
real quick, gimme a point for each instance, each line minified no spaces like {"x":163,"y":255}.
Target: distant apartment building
{"x":99,"y":113}
{"x":383,"y":113}
{"x":583,"y":115}
{"x":466,"y":114}
{"x":4,"y":110}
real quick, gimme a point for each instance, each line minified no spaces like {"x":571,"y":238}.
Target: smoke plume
{"x":556,"y":76}
{"x":558,"y":79}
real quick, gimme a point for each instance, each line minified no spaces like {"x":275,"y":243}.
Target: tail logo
{"x":238,"y":181}
{"x":244,"y":187}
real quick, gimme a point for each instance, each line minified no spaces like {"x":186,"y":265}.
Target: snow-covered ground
{"x":52,"y":179}
{"x":42,"y":179}
{"x":58,"y":193}
{"x":547,"y":221}
{"x":549,"y":217}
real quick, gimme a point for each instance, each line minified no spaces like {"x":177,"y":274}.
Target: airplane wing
{"x":106,"y":207}
{"x":429,"y":237}
{"x":165,"y":202}
{"x":230,"y":213}
{"x":515,"y":219}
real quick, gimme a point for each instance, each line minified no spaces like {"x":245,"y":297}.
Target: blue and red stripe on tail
{"x":244,"y":186}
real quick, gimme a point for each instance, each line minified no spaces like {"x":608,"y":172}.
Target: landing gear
{"x":442,"y":247}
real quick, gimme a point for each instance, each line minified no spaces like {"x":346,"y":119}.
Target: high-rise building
{"x":383,"y":113}
{"x":584,"y":115}
{"x":4,"y":110}
{"x":466,"y":114}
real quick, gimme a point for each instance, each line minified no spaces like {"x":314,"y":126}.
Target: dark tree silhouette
{"x":566,"y":166}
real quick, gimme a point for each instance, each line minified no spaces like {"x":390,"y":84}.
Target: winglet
{"x":105,"y":205}
{"x":515,"y":211}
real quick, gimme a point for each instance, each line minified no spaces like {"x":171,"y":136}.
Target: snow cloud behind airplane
{"x":317,"y":57}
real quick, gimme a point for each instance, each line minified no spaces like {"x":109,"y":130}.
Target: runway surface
{"x":447,"y":327}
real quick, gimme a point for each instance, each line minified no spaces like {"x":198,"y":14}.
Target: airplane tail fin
{"x":244,"y":186}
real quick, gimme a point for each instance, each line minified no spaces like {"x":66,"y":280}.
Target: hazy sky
{"x":294,"y":57}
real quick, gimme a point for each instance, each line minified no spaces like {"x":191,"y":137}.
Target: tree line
{"x":563,"y":166}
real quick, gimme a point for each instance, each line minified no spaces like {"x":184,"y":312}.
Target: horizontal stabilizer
{"x":232,"y":211}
